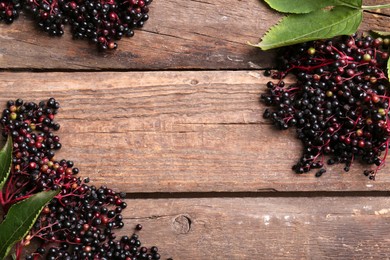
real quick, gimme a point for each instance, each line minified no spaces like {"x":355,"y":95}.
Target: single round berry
{"x":138,"y":227}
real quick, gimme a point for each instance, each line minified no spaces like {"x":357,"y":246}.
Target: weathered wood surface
{"x":197,"y":138}
{"x":211,"y":34}
{"x":177,"y":132}
{"x":385,"y":11}
{"x":264,"y":228}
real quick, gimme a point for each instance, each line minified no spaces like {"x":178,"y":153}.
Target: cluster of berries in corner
{"x":339,"y":102}
{"x":101,"y":22}
{"x":80,"y":222}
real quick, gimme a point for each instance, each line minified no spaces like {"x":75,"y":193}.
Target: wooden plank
{"x":176,"y":132}
{"x":263,"y":228}
{"x":385,"y":11}
{"x":179,"y":34}
{"x":211,"y":34}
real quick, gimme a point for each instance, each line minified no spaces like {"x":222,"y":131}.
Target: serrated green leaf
{"x":321,"y":24}
{"x":5,"y":162}
{"x":20,"y":218}
{"x":307,"y":6}
{"x":381,"y":33}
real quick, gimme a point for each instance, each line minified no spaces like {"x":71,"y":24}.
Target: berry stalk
{"x":339,"y":103}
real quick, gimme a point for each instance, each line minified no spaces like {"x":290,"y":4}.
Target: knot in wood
{"x":194,"y":82}
{"x":182,"y":224}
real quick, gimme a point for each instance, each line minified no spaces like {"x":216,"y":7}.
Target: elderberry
{"x":79,"y":222}
{"x":339,"y":102}
{"x":9,"y":10}
{"x":101,"y":22}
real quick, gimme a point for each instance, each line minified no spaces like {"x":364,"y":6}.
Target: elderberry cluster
{"x":101,"y":22}
{"x":9,"y":10}
{"x":339,"y":101}
{"x":79,"y":223}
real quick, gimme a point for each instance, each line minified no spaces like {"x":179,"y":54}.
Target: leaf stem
{"x":371,"y":7}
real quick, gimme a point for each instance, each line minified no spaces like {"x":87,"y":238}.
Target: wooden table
{"x":173,"y":118}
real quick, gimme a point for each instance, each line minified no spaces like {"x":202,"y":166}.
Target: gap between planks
{"x":176,"y":132}
{"x":259,"y":194}
{"x":180,"y":35}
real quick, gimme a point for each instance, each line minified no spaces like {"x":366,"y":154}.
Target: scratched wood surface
{"x":177,"y":132}
{"x":173,"y":118}
{"x":264,"y":228}
{"x":211,"y":34}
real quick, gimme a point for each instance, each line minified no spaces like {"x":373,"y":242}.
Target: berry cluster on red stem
{"x":339,"y":102}
{"x":80,"y":222}
{"x":102,"y":22}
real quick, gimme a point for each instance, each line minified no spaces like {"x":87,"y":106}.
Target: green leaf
{"x":20,"y":218}
{"x":307,"y":6}
{"x":321,"y":24}
{"x":381,"y":33}
{"x":350,"y":3}
{"x":5,"y":161}
{"x":388,"y":69}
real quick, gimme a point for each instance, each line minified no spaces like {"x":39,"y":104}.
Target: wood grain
{"x":179,"y":35}
{"x":263,"y":228}
{"x":194,"y":135}
{"x":211,"y":34}
{"x":176,"y":132}
{"x":385,"y":11}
